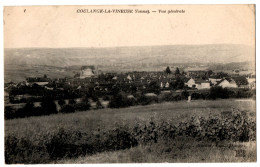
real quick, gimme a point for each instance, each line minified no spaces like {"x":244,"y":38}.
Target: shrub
{"x":106,"y":98}
{"x":184,"y":94}
{"x":15,"y":150}
{"x":112,"y":140}
{"x":95,"y":98}
{"x":82,"y":106}
{"x":231,"y":126}
{"x":67,"y":144}
{"x":131,"y":102}
{"x":234,"y":127}
{"x":61,"y":102}
{"x":27,"y":111}
{"x":72,"y":101}
{"x":243,"y":93}
{"x":153,"y":87}
{"x":228,"y":126}
{"x":195,"y":96}
{"x":38,"y":111}
{"x":21,"y":150}
{"x":167,"y":97}
{"x":71,"y":144}
{"x":99,"y":105}
{"x":9,"y":113}
{"x":119,"y":100}
{"x":145,"y":100}
{"x":67,"y":109}
{"x":178,"y":84}
{"x":177,"y":98}
{"x":218,"y":92}
{"x":146,"y":133}
{"x":48,"y":107}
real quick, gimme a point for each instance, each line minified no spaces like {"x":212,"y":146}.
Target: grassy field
{"x":182,"y":149}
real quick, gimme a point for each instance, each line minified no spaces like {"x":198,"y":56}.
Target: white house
{"x":161,"y":85}
{"x":87,"y":71}
{"x":202,"y":84}
{"x":191,"y":83}
{"x":252,"y":82}
{"x":224,"y":83}
{"x":166,"y":85}
{"x":41,"y":83}
{"x":199,"y":84}
{"x":214,"y":81}
{"x":129,"y":77}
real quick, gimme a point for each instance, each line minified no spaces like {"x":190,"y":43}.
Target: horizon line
{"x":96,"y":47}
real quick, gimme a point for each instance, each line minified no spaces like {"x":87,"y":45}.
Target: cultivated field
{"x":42,"y":130}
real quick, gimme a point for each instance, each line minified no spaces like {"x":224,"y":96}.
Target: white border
{"x":121,"y":2}
{"x":117,"y":2}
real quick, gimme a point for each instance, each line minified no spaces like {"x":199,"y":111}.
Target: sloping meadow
{"x":51,"y":144}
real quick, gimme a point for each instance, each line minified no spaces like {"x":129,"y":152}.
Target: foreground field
{"x":185,"y":148}
{"x":181,"y":150}
{"x":107,"y":118}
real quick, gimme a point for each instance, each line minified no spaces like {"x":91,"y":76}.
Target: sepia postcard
{"x":129,"y":84}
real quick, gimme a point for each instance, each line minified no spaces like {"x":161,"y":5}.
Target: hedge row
{"x":229,"y":126}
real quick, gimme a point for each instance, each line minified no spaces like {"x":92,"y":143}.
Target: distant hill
{"x":57,"y":61}
{"x":61,"y":57}
{"x":233,"y":66}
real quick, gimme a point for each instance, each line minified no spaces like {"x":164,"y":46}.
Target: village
{"x":129,"y":83}
{"x":99,"y":88}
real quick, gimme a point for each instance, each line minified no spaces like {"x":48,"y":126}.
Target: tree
{"x":102,"y":76}
{"x":61,"y":102}
{"x":154,"y":87}
{"x":185,"y":94}
{"x":95,"y":97}
{"x":26,"y":111}
{"x":219,"y":92}
{"x":29,"y":108}
{"x":83,"y":106}
{"x":77,"y":75}
{"x":168,"y":70}
{"x":9,"y":112}
{"x":48,"y":107}
{"x":210,"y":72}
{"x":99,"y":105}
{"x":118,"y":101}
{"x":177,"y":71}
{"x":178,"y":84}
{"x":133,"y":88}
{"x":72,"y":101}
{"x":67,"y":109}
{"x":106,"y":98}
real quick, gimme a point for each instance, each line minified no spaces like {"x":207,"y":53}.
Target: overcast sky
{"x":63,"y":27}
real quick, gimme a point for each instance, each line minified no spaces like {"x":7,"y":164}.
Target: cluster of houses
{"x":192,"y":79}
{"x":222,"y":80}
{"x":197,"y":79}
